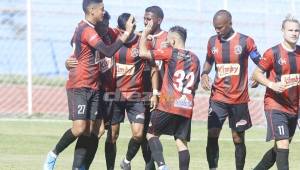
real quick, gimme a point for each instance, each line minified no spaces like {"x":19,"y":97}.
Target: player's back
{"x":86,"y":74}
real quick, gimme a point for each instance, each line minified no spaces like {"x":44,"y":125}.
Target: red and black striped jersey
{"x":106,"y":63}
{"x":282,"y":65}
{"x":154,"y":43}
{"x":129,"y":69}
{"x":181,"y":79}
{"x":231,"y":65}
{"x":86,"y":74}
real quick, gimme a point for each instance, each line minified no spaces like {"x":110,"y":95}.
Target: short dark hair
{"x":223,"y":12}
{"x":180,"y":31}
{"x":106,"y":16}
{"x":87,"y":3}
{"x":122,"y":19}
{"x":156,"y":10}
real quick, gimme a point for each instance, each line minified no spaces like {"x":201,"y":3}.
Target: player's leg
{"x":149,"y":162}
{"x":136,"y":115}
{"x":77,"y":113}
{"x":286,"y":130}
{"x":160,"y":123}
{"x":239,"y":122}
{"x":217,"y":114}
{"x":182,"y":136}
{"x":118,"y":116}
{"x":87,"y":143}
{"x":269,"y":157}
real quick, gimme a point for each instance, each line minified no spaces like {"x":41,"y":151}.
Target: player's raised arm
{"x":143,"y":51}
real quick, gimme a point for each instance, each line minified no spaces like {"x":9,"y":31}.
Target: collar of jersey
{"x":230,"y":38}
{"x":286,"y":48}
{"x":90,"y":24}
{"x":158,"y":34}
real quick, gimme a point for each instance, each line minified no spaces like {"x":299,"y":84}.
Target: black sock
{"x":267,"y":161}
{"x":240,"y":155}
{"x":184,"y":159}
{"x":92,"y":149}
{"x":212,"y":152}
{"x":133,"y":148}
{"x":156,"y":151}
{"x":110,"y":154}
{"x":80,"y":151}
{"x":147,"y":155}
{"x":282,"y":159}
{"x":64,"y":142}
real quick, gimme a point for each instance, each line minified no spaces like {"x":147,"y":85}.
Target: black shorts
{"x":238,"y":115}
{"x":280,"y":125}
{"x":135,"y":112}
{"x":83,"y":104}
{"x":170,"y":124}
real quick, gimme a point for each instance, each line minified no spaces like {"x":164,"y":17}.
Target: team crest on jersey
{"x":183,"y":102}
{"x":134,"y":52}
{"x":228,"y":70}
{"x":290,"y":80}
{"x":214,"y":50}
{"x":238,"y":49}
{"x":281,"y":61}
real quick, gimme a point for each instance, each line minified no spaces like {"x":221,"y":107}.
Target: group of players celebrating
{"x":153,"y":78}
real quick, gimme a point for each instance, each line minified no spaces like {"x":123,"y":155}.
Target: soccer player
{"x":129,"y":94}
{"x":229,"y":50}
{"x":156,"y":38}
{"x":82,"y":85}
{"x":174,"y":112}
{"x":281,"y":64}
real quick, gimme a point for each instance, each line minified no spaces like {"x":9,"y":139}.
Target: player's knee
{"x":238,"y":137}
{"x":213,"y":132}
{"x":282,"y":144}
{"x":101,"y":132}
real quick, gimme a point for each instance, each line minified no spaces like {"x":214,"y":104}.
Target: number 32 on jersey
{"x":180,"y":78}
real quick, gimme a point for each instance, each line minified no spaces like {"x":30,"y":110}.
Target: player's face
{"x":102,"y":27}
{"x":291,"y":32}
{"x":222,"y":26}
{"x":99,"y":12}
{"x":149,"y":16}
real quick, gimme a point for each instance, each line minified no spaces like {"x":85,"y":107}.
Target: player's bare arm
{"x":204,"y":76}
{"x":155,"y":85}
{"x":258,"y":75}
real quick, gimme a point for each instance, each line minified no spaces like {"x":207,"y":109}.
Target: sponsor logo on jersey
{"x":105,"y":64}
{"x":290,"y":80}
{"x":124,"y":69}
{"x":183,"y":102}
{"x":238,"y":49}
{"x":228,"y":70}
{"x":241,"y":123}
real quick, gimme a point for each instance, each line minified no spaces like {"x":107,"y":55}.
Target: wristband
{"x":155,"y":92}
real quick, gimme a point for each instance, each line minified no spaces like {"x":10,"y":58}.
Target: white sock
{"x":126,"y":161}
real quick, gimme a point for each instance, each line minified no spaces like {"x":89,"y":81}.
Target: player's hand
{"x":148,"y":28}
{"x":205,"y":82}
{"x":277,"y":86}
{"x":130,"y":25}
{"x":153,"y":102}
{"x":71,"y":63}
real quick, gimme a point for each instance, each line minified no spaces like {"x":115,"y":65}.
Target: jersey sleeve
{"x":162,"y":54}
{"x":252,"y":50}
{"x":266,"y":62}
{"x":91,"y":37}
{"x":209,"y":54}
